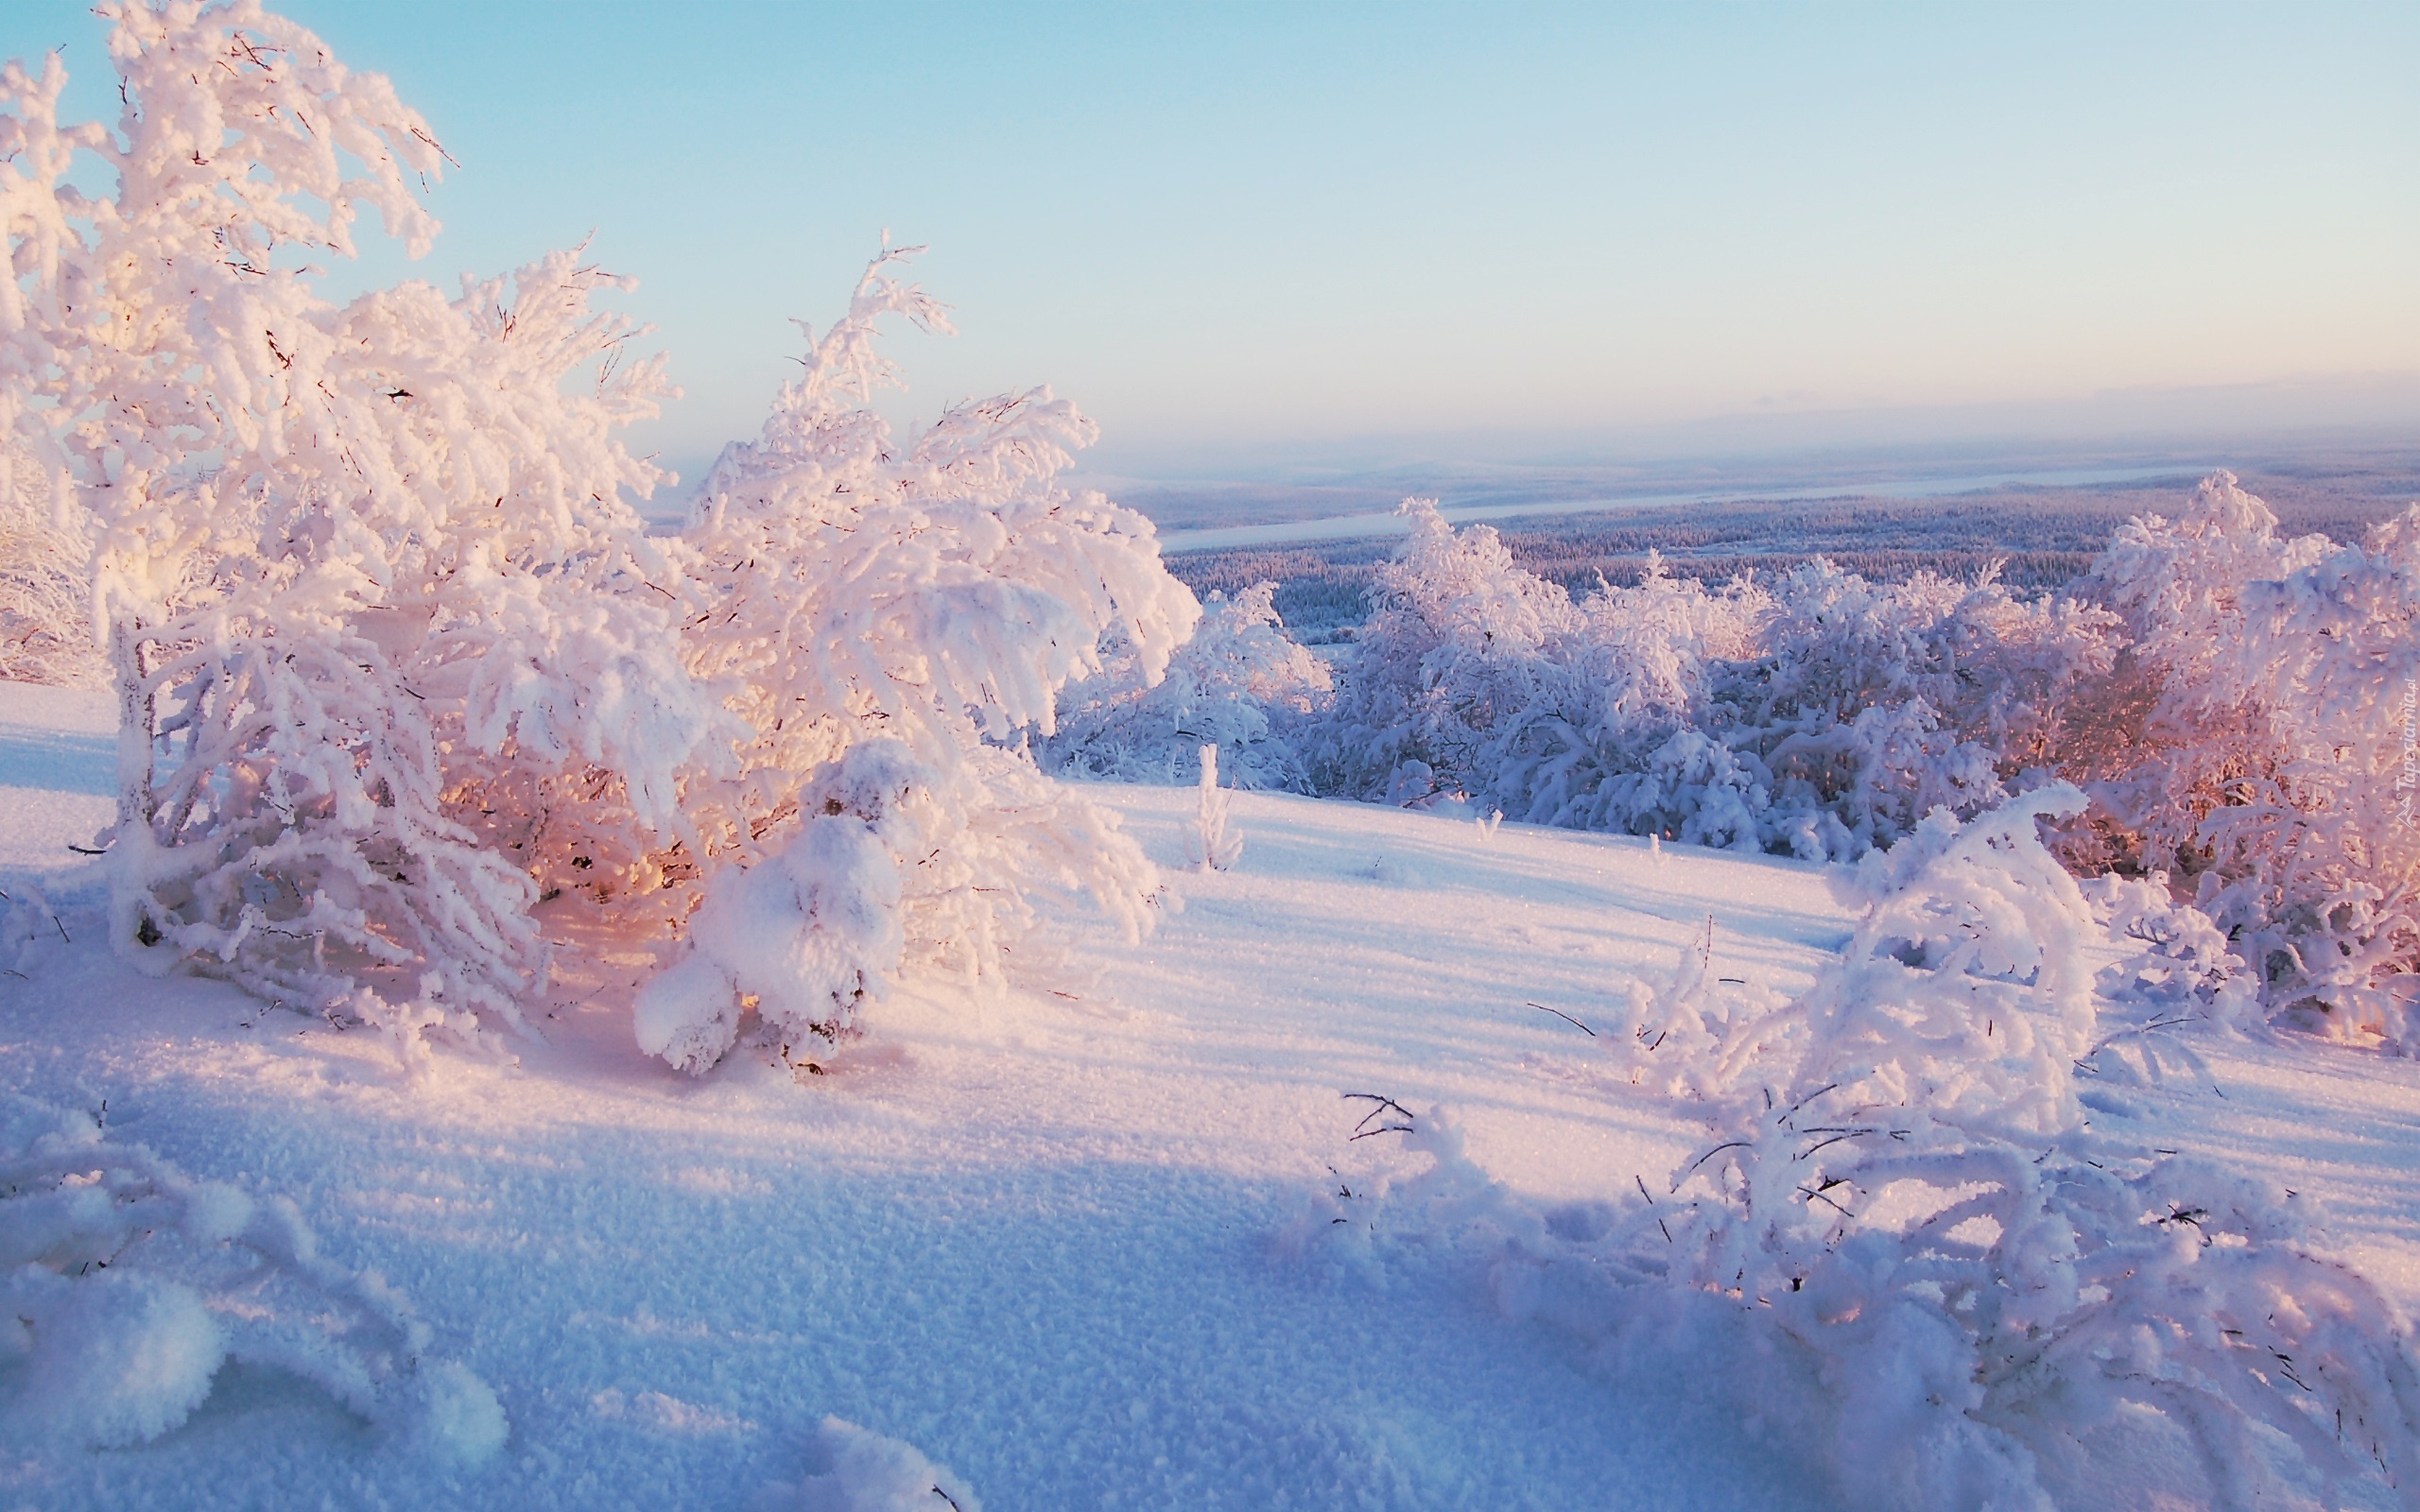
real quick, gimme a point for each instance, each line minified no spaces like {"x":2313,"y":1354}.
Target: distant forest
{"x":2044,"y":538}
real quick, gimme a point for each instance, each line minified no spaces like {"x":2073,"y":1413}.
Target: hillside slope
{"x":1042,"y":1238}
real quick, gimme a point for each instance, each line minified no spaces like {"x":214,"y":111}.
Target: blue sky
{"x":1237,"y":231}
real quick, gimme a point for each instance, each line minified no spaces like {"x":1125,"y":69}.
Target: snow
{"x":56,"y":749}
{"x":863,"y":1471}
{"x":1033,"y":1243}
{"x":122,"y":1358}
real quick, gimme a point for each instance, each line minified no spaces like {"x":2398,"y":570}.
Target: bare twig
{"x":1818,"y":1091}
{"x":2124,"y":1034}
{"x":1564,"y":1017}
{"x":1833,"y":1136}
{"x":1380,"y":1106}
{"x":1728,"y":1144}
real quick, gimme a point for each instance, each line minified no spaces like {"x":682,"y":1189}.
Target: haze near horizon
{"x":1250,"y":240}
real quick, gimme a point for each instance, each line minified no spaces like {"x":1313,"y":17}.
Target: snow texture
{"x":856,"y":1469}
{"x":127,"y":1286}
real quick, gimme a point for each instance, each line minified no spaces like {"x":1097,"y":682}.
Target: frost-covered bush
{"x":1982,"y":1282}
{"x":1903,"y":1242}
{"x":124,"y":1285}
{"x":29,"y":927}
{"x":1819,"y":715}
{"x":1242,"y":683}
{"x":1673,"y":1027}
{"x":2274,"y":771}
{"x":46,"y":582}
{"x":2245,"y":712}
{"x":885,"y":619}
{"x":1451,"y":649}
{"x":2183,"y":967}
{"x":1870,"y":705}
{"x":368,"y":581}
{"x":396,"y":659}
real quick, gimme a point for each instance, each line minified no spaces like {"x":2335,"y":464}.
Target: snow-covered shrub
{"x":1450,"y":648}
{"x":2183,"y":967}
{"x":2245,"y":720}
{"x":29,"y":927}
{"x":1611,"y":739}
{"x":1982,"y":1281}
{"x":1945,"y":1278}
{"x":1820,"y":716}
{"x":1678,"y":1029}
{"x":2274,"y":771}
{"x":46,"y":582}
{"x":124,"y":1285}
{"x":808,"y":932}
{"x":396,"y":659}
{"x":1870,"y":705}
{"x":371,"y":593}
{"x":885,"y":619}
{"x":1242,"y":683}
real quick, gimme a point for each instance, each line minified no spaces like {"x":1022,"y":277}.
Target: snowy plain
{"x":1393,"y":522}
{"x":1042,"y":1237}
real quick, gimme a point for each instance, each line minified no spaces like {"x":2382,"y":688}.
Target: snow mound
{"x":110,"y":1359}
{"x":809,"y":932}
{"x":856,"y":1469}
{"x":127,"y":1285}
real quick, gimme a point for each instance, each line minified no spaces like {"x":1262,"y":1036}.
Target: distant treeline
{"x":2043,"y":538}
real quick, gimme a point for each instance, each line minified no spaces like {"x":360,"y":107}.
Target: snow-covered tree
{"x":1449,"y":651}
{"x":368,"y":581}
{"x":2245,"y":712}
{"x":885,"y":620}
{"x":1870,"y":704}
{"x":1242,"y":683}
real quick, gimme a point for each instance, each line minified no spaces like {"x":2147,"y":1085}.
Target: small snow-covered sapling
{"x":1213,"y":847}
